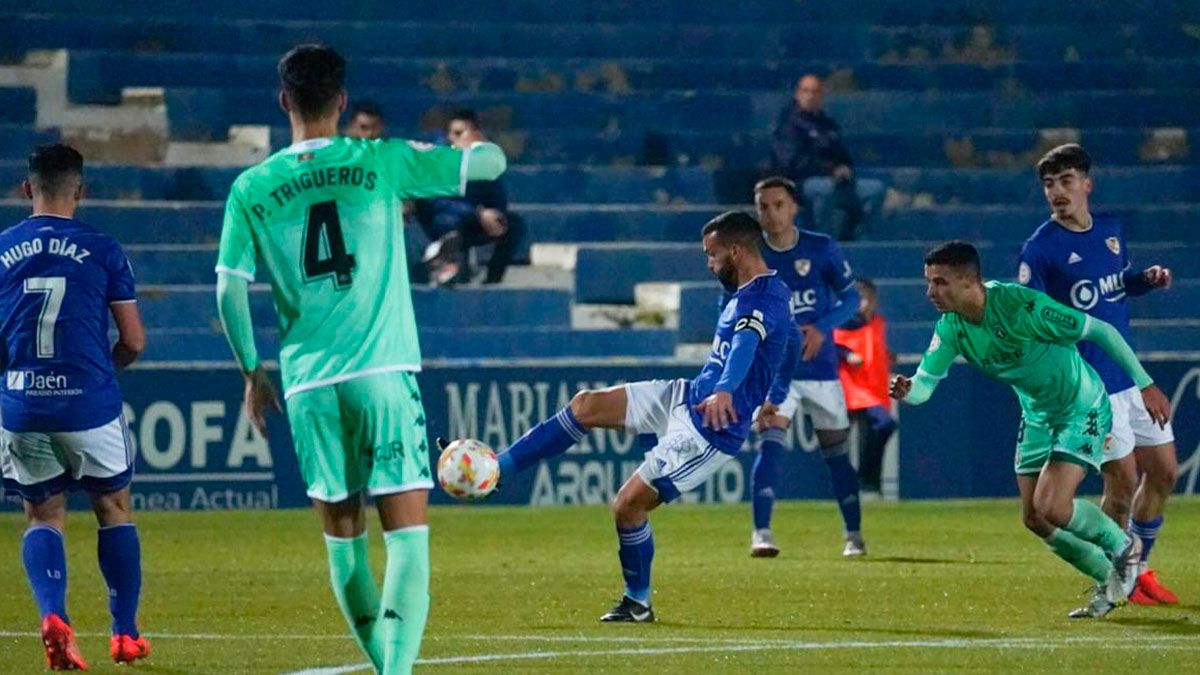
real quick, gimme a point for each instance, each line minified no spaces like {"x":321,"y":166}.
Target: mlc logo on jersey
{"x":1085,"y":294}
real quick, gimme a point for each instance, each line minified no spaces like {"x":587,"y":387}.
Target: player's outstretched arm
{"x":1110,"y":340}
{"x":485,"y":161}
{"x":131,"y":333}
{"x":935,"y":364}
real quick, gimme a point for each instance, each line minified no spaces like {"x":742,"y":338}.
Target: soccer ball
{"x":468,"y":469}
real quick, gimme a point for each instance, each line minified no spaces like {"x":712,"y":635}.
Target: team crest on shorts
{"x":1114,"y":245}
{"x":803,"y":265}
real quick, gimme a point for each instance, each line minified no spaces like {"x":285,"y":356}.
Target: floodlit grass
{"x":948,"y":587}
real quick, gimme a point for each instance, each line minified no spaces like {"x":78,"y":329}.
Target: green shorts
{"x":1078,"y":439}
{"x":367,"y":433}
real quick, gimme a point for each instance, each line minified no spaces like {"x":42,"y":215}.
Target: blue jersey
{"x":817,"y":273}
{"x":1089,"y":271}
{"x":58,"y":277}
{"x":761,"y":306}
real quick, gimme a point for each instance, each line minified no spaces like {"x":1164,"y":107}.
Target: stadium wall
{"x":196,"y":450}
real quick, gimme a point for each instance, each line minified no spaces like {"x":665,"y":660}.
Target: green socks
{"x":405,"y":599}
{"x":1089,"y":523}
{"x":1083,"y":556}
{"x":355,"y":590}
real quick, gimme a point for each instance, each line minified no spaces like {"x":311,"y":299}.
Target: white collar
{"x":308,"y":146}
{"x":768,"y":273}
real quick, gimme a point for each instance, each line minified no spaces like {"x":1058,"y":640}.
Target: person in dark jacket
{"x":807,"y":147}
{"x":480,"y":217}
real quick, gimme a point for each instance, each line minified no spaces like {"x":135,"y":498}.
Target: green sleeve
{"x":935,"y":364}
{"x":233,"y":306}
{"x":1042,"y":318}
{"x":1110,"y":340}
{"x":236,"y":252}
{"x":420,"y":170}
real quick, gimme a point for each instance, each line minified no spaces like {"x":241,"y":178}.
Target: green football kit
{"x":1027,"y":340}
{"x":325,"y":218}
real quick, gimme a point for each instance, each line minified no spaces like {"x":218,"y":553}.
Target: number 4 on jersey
{"x":324,"y":248}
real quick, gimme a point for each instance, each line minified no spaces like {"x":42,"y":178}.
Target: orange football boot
{"x":59,"y":640}
{"x":127,"y":649}
{"x":1148,"y":583}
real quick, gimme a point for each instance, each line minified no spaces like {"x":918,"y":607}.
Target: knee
{"x":1035,"y":521}
{"x":1047,"y":515}
{"x":1163,"y":476}
{"x":625,"y":512}
{"x":585,"y":405}
{"x":113,"y":511}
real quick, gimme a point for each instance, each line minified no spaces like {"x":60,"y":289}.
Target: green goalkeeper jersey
{"x":1026,"y":340}
{"x":325,"y":217}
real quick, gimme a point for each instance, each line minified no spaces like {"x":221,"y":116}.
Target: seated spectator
{"x":864,"y":369}
{"x":456,"y":225}
{"x":365,"y":121}
{"x":807,"y":147}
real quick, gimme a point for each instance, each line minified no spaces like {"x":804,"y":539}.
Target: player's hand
{"x":899,"y":387}
{"x":1157,"y":405}
{"x":765,"y":413}
{"x":717,"y":411}
{"x":813,"y":339}
{"x":260,"y":398}
{"x":1158,"y":276}
{"x":493,"y":222}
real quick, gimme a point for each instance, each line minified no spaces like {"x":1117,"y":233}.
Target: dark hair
{"x":778,"y":182}
{"x":467,"y":115}
{"x":366,"y":107}
{"x":55,"y":167}
{"x":955,"y":253}
{"x":735,"y":227}
{"x":1064,"y":158}
{"x":311,"y":75}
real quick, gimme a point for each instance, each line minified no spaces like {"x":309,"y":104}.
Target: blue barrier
{"x":98,"y":76}
{"x":18,"y":105}
{"x":607,"y":273}
{"x":195,"y":449}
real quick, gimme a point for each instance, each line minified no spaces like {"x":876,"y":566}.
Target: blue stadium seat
{"x":18,"y":105}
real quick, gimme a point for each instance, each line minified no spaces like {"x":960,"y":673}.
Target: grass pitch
{"x":947,"y":587}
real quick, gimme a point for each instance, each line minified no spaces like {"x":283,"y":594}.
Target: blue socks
{"x":1147,"y":531}
{"x":548,"y":439}
{"x":120,"y":555}
{"x":636,"y":554}
{"x":45,"y":560}
{"x":844,"y":481}
{"x":764,"y":474}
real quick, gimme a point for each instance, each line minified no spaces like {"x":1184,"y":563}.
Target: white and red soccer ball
{"x":468,"y":469}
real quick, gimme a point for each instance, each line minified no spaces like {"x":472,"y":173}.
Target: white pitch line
{"x":755,"y":646}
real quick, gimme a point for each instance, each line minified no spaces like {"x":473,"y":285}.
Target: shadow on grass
{"x":928,"y":561}
{"x":839,"y":630}
{"x":1180,"y":626}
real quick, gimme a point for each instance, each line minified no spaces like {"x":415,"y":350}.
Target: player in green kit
{"x":324,"y":217}
{"x":1027,"y":340}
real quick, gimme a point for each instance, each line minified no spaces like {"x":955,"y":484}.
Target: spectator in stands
{"x":481,"y":217}
{"x":807,"y":147}
{"x":864,"y":369}
{"x":365,"y":121}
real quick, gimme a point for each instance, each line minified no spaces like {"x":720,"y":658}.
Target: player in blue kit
{"x":61,"y":407}
{"x":1080,"y":259}
{"x":700,"y":424}
{"x":823,"y":297}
